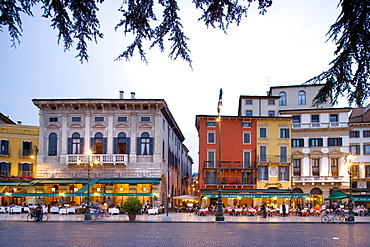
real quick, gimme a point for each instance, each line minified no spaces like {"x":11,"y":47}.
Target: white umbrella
{"x":191,"y":197}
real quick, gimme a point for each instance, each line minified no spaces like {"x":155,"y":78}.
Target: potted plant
{"x":132,"y":206}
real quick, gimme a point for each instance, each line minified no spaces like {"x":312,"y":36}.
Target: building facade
{"x":18,"y":149}
{"x":136,"y":143}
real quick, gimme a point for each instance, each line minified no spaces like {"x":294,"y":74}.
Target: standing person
{"x":263,"y":210}
{"x":105,"y":209}
{"x":284,"y":209}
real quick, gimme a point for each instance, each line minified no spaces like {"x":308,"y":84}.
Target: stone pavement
{"x":183,"y":218}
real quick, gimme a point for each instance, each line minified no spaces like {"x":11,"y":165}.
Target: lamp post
{"x":219,"y":213}
{"x":351,"y":216}
{"x":88,"y":165}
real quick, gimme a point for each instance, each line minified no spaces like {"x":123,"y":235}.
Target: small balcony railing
{"x":230,"y":165}
{"x":101,"y":158}
{"x":274,"y":159}
{"x":5,"y":152}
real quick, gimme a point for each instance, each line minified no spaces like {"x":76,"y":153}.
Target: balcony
{"x":232,"y":181}
{"x":26,"y":153}
{"x":274,"y":159}
{"x":312,"y":179}
{"x":5,"y":152}
{"x":233,"y":165}
{"x":103,"y":159}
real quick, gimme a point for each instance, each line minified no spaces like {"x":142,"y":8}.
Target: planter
{"x":132,"y":217}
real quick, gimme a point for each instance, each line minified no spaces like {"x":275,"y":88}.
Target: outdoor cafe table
{"x":113,"y":210}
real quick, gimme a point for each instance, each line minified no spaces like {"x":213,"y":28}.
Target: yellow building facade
{"x":18,"y":151}
{"x":274,"y":157}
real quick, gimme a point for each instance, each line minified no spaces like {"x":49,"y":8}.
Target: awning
{"x":336,"y":195}
{"x":262,"y":195}
{"x":74,"y":194}
{"x":361,"y":198}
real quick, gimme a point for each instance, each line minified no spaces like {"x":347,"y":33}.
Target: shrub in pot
{"x":132,"y":206}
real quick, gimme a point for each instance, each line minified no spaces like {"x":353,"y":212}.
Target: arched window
{"x":52,"y":144}
{"x":121,"y":144}
{"x":145,"y":144}
{"x":301,"y":98}
{"x":99,"y":143}
{"x":76,"y":143}
{"x":282,"y":100}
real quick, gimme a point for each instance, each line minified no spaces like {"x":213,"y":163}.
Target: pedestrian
{"x":284,"y":209}
{"x":263,"y":210}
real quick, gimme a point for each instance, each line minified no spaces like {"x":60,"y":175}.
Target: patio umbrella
{"x":191,"y":197}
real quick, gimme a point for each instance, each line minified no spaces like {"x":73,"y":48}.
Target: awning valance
{"x":262,"y":195}
{"x":74,"y":194}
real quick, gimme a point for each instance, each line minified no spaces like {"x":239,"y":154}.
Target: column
{"x":87,"y":131}
{"x":110,"y":133}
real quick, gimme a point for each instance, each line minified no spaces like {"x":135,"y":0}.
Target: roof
{"x":360,"y":115}
{"x":5,"y":119}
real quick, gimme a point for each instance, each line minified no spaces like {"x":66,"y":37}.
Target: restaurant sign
{"x":277,"y":196}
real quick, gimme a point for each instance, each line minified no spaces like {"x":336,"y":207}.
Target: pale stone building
{"x":137,"y":143}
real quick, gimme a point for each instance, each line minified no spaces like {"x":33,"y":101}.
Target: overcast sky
{"x":286,"y":46}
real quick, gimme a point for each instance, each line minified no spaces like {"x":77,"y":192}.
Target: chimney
{"x":120,"y":94}
{"x":132,"y":95}
{"x":19,"y":122}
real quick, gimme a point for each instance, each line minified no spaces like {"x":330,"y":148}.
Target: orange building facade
{"x":226,"y":147}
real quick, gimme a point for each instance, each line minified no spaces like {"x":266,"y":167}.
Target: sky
{"x":286,"y":46}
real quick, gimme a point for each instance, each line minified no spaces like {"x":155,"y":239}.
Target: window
{"x":75,"y":144}
{"x":315,"y":142}
{"x":354,"y":134}
{"x":271,"y":113}
{"x":366,"y":133}
{"x":354,"y":149}
{"x":211,"y":177}
{"x":99,"y":119}
{"x":284,"y":173}
{"x":122,"y":119}
{"x":334,"y":141}
{"x":263,"y":173}
{"x":367,"y":173}
{"x":99,"y":144}
{"x":284,"y":133}
{"x":4,"y":147}
{"x":296,"y":167}
{"x":301,"y":98}
{"x":282,"y":99}
{"x":5,"y":169}
{"x":263,"y":133}
{"x":366,"y":148}
{"x":334,"y":166}
{"x":315,"y":118}
{"x":246,"y":138}
{"x":246,"y":159}
{"x":145,"y":119}
{"x":283,"y":154}
{"x":27,"y":148}
{"x":53,"y":119}
{"x":263,"y":154}
{"x":246,"y":124}
{"x":248,"y":102}
{"x":315,"y":167}
{"x":248,"y":113}
{"x":145,"y":144}
{"x":53,"y":142}
{"x":333,"y":118}
{"x":296,"y":118}
{"x":247,"y":178}
{"x":25,"y":169}
{"x":211,"y":124}
{"x":297,"y":143}
{"x":121,"y":144}
{"x":76,"y":119}
{"x":210,"y":159}
{"x":211,"y":138}
{"x":271,"y":102}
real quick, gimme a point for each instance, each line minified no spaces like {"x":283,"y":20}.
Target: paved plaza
{"x":182,"y":218}
{"x":141,"y":233}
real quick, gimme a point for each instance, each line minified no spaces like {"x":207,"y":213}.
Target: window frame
{"x":301,"y":97}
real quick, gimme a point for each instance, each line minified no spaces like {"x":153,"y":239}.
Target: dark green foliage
{"x":350,"y":70}
{"x":132,"y":206}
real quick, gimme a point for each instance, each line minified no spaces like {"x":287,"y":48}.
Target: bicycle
{"x":32,"y":217}
{"x":325,"y":218}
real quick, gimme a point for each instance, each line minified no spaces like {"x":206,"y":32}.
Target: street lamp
{"x":348,"y":160}
{"x":219,"y":213}
{"x":88,"y":164}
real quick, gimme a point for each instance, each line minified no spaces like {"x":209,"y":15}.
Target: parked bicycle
{"x":326,"y":218}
